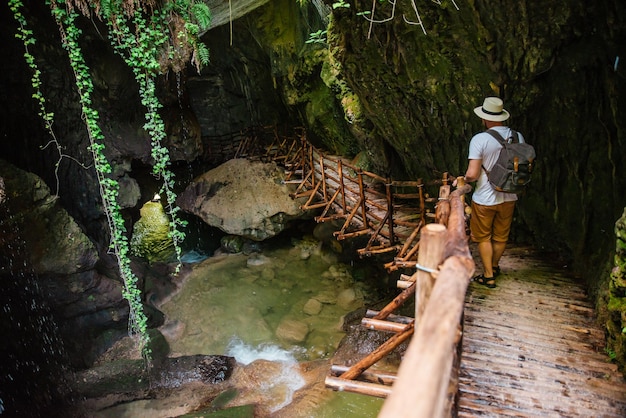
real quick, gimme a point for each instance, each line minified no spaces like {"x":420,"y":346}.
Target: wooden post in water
{"x":430,"y":255}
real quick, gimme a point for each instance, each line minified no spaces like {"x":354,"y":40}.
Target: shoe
{"x":496,"y":271}
{"x":490,"y":282}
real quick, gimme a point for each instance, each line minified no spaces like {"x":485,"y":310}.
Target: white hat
{"x":492,"y":109}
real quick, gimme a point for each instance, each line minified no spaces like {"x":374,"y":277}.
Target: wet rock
{"x":244,"y":198}
{"x":151,"y":238}
{"x":257,"y":260}
{"x":129,"y":192}
{"x":270,"y":385}
{"x":350,"y":299}
{"x":56,"y":244}
{"x":172,"y":330}
{"x":312,"y":307}
{"x":132,"y":377}
{"x":232,"y":244}
{"x":292,"y":331}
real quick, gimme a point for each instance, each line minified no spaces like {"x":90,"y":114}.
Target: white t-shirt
{"x":485,"y":147}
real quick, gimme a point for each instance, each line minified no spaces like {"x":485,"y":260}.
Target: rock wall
{"x":616,"y":298}
{"x":399,"y":94}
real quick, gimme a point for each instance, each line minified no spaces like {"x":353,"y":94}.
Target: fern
{"x":202,"y":14}
{"x":203,"y":53}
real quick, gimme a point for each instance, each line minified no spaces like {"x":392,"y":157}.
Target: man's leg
{"x":486,"y":252}
{"x":481,"y":224}
{"x":498,"y":250}
{"x":501,"y":229}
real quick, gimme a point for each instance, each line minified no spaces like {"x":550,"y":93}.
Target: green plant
{"x":341,"y":4}
{"x":318,"y":37}
{"x":27,"y":38}
{"x":109,"y":188}
{"x":611,"y":353}
{"x":152,"y":39}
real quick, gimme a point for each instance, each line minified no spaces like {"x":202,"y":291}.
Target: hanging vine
{"x":26,"y":36}
{"x":109,"y":188}
{"x":162,"y":39}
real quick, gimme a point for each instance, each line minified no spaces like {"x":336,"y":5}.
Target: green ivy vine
{"x":109,"y":188}
{"x":160,"y":39}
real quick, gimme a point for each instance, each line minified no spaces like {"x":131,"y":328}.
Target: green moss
{"x":151,"y":234}
{"x":616,"y":300}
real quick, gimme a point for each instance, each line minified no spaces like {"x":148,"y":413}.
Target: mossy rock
{"x":151,"y":234}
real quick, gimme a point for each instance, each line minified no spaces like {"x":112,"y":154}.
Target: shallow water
{"x":284,"y":305}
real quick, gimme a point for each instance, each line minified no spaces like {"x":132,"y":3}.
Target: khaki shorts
{"x":491,"y":223}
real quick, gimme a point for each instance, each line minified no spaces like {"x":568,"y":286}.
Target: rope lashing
{"x":434,"y":272}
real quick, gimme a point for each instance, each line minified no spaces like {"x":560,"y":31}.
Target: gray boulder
{"x":55,"y":244}
{"x":245,"y":198}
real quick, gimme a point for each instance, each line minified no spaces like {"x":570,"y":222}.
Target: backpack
{"x":514,"y":165}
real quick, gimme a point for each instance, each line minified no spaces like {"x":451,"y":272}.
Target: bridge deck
{"x":531,"y":347}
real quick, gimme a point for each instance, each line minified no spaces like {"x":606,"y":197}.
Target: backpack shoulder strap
{"x":514,"y":138}
{"x":496,"y":135}
{"x":499,"y":138}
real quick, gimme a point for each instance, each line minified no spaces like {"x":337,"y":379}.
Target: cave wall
{"x":401,"y":98}
{"x":551,"y":62}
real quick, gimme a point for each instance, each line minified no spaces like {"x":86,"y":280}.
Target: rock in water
{"x":245,"y":198}
{"x":151,"y":238}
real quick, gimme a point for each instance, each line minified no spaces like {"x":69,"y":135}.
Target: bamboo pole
{"x":341,"y":186}
{"x":432,"y":244}
{"x":363,"y":388}
{"x":323,"y":179}
{"x":381,"y":325}
{"x":380,"y":352}
{"x":370,"y":313}
{"x":392,"y":237}
{"x":396,"y":302}
{"x":362,"y":198}
{"x":421,"y":388}
{"x":380,"y":377}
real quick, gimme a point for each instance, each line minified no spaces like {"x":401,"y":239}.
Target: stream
{"x":284,"y":305}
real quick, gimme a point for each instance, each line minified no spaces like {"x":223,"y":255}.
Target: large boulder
{"x":55,"y":244}
{"x":242,"y":197}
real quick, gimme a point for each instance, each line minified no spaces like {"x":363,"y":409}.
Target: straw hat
{"x":492,"y":109}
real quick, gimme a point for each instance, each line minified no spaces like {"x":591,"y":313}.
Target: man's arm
{"x":473,"y":170}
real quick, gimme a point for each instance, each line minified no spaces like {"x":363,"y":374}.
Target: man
{"x":492,"y":211}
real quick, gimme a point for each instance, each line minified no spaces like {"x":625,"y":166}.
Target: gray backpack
{"x":511,"y":173}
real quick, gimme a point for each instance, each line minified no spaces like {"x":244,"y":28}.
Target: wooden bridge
{"x":530,"y":347}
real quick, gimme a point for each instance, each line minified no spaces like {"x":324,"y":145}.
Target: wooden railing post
{"x":363,"y":201}
{"x":392,"y":238}
{"x":430,"y":255}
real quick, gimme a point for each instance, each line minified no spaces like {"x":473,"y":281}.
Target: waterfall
{"x":32,"y":366}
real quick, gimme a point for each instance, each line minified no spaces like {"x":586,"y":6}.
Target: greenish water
{"x":283,"y":305}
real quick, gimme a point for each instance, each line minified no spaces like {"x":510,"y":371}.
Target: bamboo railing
{"x":426,"y":383}
{"x":391,"y":213}
{"x":428,"y":235}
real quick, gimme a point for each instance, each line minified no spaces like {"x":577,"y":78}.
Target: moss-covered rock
{"x":151,"y":234}
{"x":616,"y":298}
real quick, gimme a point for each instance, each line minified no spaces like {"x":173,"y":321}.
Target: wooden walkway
{"x":532,"y":348}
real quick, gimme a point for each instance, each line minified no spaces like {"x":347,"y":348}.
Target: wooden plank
{"x":370,"y":313}
{"x":382,"y":325}
{"x":378,"y":376}
{"x":380,"y":352}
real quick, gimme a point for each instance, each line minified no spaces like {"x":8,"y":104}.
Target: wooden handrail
{"x":421,"y":389}
{"x":425,"y":383}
